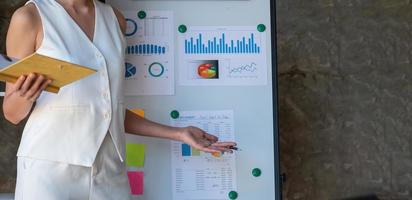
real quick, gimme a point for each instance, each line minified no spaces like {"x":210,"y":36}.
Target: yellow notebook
{"x":61,"y":72}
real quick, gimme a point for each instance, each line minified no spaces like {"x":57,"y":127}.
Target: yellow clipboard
{"x":61,"y":72}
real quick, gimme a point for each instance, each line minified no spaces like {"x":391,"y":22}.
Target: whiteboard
{"x":253,"y":107}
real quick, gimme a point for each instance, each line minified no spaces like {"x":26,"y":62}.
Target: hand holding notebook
{"x":60,"y":72}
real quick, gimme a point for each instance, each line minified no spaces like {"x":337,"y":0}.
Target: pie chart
{"x":156,"y":69}
{"x":130,"y":70}
{"x":207,"y":70}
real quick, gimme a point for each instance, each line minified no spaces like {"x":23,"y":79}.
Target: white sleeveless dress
{"x":73,"y":143}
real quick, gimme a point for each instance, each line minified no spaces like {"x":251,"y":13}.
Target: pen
{"x":234,"y":148}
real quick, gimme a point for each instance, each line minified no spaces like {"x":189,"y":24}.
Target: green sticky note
{"x":135,"y":154}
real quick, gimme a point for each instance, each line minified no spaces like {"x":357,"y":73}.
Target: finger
{"x":209,"y":150}
{"x":42,"y":87}
{"x":36,"y":86}
{"x":35,"y":96}
{"x":17,"y":85}
{"x":222,"y":149}
{"x":205,"y":149}
{"x":27,"y":84}
{"x":205,"y":143}
{"x":211,"y":137}
{"x":224,"y":144}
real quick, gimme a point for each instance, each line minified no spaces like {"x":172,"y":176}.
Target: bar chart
{"x":150,"y":42}
{"x":187,"y":150}
{"x":145,"y":49}
{"x":239,"y":52}
{"x":221,"y":45}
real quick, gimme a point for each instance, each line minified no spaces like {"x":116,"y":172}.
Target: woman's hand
{"x":203,"y":141}
{"x":30,"y":87}
{"x":21,"y":95}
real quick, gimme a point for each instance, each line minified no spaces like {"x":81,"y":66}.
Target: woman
{"x":73,"y":143}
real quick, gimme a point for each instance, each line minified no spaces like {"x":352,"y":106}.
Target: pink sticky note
{"x":136,"y":182}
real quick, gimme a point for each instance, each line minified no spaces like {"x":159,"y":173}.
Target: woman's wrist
{"x":177,"y":133}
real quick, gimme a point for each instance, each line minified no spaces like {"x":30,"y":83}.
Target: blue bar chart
{"x":145,"y":49}
{"x":221,"y":45}
{"x":187,"y":150}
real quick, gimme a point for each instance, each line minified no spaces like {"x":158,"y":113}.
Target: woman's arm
{"x":21,"y":41}
{"x":193,"y":136}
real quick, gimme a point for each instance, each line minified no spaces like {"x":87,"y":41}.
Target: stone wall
{"x":9,"y":134}
{"x":345,"y":98}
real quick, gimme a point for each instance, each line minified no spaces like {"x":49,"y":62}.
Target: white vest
{"x":70,"y":126}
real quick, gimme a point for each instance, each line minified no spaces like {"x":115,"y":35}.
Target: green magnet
{"x":232,"y":195}
{"x":182,"y":28}
{"x":141,"y":14}
{"x":174,"y":114}
{"x":256,"y":172}
{"x":261,"y":27}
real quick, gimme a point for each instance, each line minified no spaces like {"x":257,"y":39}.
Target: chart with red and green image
{"x":231,"y":55}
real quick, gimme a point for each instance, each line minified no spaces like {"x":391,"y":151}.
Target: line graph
{"x":244,"y":68}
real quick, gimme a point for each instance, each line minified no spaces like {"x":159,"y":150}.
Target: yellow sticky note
{"x":135,"y":154}
{"x":138,"y":111}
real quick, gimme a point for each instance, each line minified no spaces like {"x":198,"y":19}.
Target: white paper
{"x":238,"y":53}
{"x":199,"y":175}
{"x":149,"y":53}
